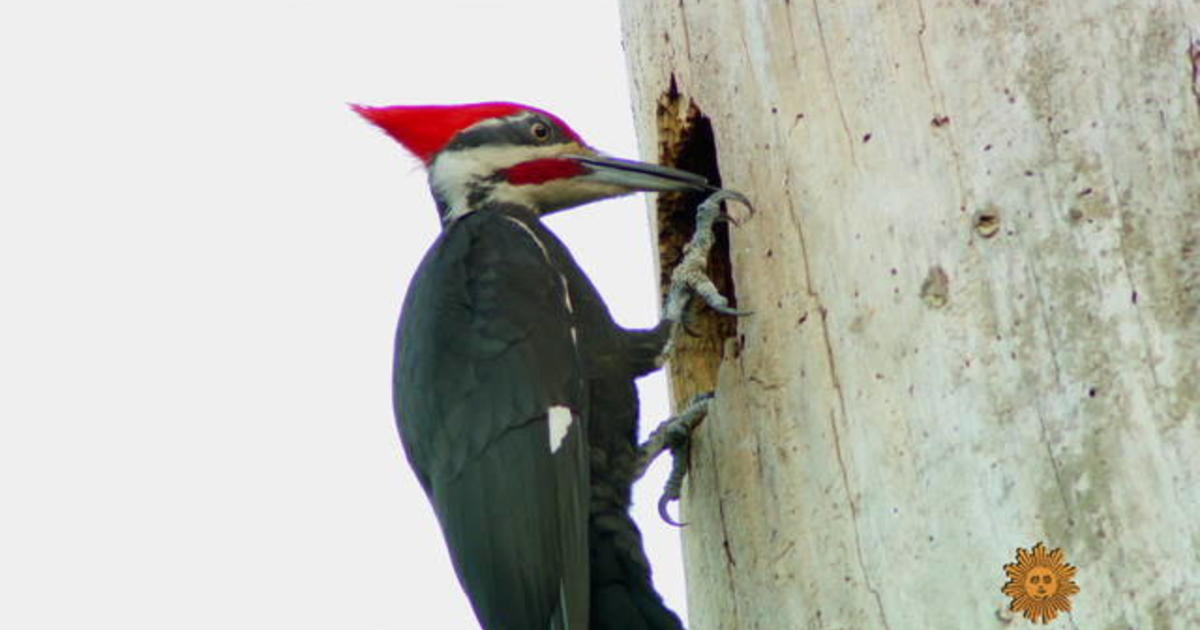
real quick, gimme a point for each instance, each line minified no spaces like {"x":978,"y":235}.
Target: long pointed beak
{"x":638,"y":175}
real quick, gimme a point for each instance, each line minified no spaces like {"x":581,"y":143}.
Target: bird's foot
{"x":689,"y":276}
{"x":673,"y":434}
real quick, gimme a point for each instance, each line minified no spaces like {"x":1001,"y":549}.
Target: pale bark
{"x":975,"y":277}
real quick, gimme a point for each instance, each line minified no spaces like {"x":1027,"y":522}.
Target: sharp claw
{"x":730,"y":311}
{"x":727,"y":218}
{"x":726,"y":194}
{"x":677,"y":437}
{"x":674,"y":435}
{"x":673,"y":488}
{"x":664,"y":502}
{"x":716,"y":301}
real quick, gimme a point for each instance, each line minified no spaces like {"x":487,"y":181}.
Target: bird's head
{"x":493,"y":153}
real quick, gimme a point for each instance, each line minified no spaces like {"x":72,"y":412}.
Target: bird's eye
{"x":539,"y":130}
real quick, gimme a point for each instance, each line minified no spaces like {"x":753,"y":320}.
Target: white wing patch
{"x":560,"y":422}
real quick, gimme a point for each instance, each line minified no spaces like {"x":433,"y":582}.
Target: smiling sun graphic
{"x":1040,"y":583}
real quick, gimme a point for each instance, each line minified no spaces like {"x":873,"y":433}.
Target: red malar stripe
{"x":542,"y":171}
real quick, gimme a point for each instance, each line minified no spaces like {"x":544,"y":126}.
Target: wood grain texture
{"x":975,"y":273}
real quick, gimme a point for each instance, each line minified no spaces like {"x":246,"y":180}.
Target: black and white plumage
{"x":484,"y":359}
{"x":513,"y":386}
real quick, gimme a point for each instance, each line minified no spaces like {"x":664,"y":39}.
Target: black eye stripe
{"x":514,"y":131}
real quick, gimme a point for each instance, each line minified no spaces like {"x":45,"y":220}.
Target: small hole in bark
{"x":935,"y":290}
{"x":987,"y":223}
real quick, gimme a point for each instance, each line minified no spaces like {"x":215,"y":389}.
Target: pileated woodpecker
{"x":513,"y":386}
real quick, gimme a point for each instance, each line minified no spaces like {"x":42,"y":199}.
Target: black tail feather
{"x":623,"y":595}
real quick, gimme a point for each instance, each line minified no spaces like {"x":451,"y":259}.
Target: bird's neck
{"x":451,"y":213}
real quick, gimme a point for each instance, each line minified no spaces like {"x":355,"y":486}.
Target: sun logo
{"x":1040,"y":583}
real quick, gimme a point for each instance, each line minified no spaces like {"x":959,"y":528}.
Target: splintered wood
{"x":686,"y":142}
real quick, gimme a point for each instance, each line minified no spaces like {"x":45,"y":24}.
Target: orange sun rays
{"x":1040,"y":583}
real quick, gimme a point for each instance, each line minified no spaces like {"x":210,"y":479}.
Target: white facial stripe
{"x":556,"y":194}
{"x":452,"y":172}
{"x":559,"y":418}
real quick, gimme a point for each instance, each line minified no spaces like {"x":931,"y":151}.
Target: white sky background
{"x":202,"y":256}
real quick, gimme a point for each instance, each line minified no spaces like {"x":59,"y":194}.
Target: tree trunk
{"x":975,"y":281}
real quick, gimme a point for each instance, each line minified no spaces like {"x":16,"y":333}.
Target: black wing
{"x":484,"y":351}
